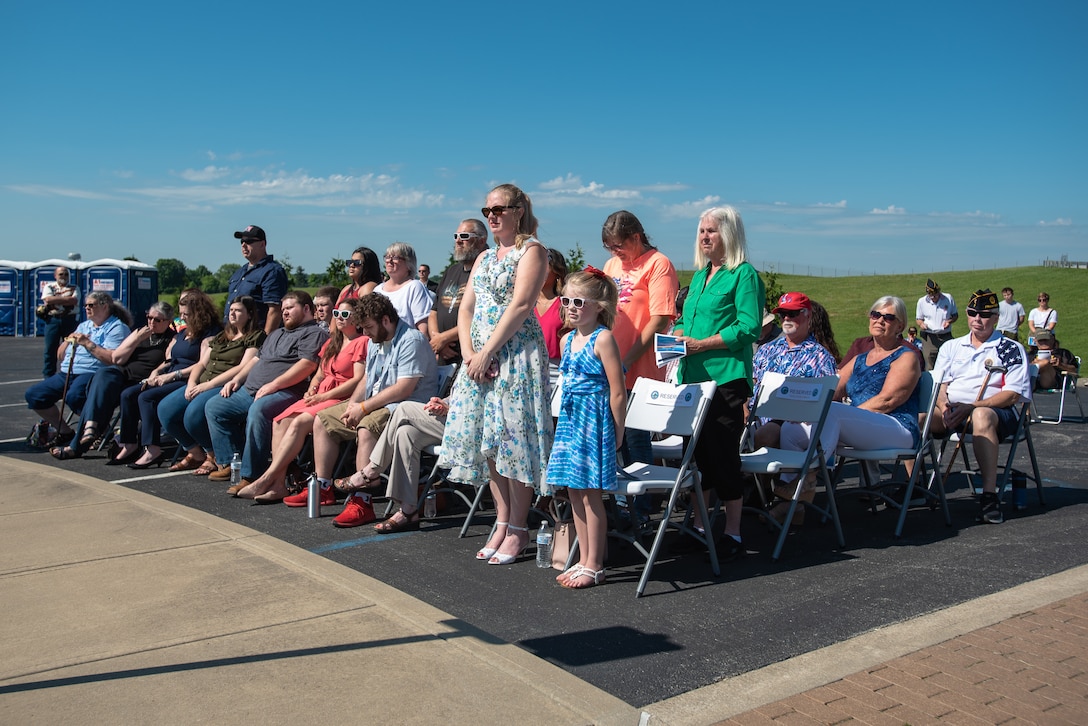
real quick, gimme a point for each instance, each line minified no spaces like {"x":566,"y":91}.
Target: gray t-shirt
{"x":281,"y":350}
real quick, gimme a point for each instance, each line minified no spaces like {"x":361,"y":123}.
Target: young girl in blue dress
{"x":591,"y":417}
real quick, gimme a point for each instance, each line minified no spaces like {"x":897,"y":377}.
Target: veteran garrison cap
{"x":983,"y":300}
{"x":932,"y":287}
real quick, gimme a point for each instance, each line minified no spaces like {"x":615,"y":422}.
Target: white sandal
{"x":486,"y":553}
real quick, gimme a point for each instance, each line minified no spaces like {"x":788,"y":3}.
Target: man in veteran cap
{"x":262,"y":278}
{"x":984,"y":375}
{"x":935,"y":313}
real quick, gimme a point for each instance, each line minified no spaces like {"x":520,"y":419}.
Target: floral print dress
{"x":505,"y":419}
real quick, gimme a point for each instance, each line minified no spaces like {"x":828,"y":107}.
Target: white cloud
{"x":567,"y":183}
{"x":664,"y":187}
{"x":570,"y":190}
{"x":208,"y":173}
{"x":690,"y":209}
{"x":841,"y":204}
{"x":1059,"y":222}
{"x":44,"y":190}
{"x":892,"y":209}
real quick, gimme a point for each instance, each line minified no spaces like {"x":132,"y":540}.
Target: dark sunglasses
{"x":790,"y":313}
{"x":156,"y":320}
{"x":1044,"y":299}
{"x":466,"y":235}
{"x":888,"y":317}
{"x":343,"y":314}
{"x":573,"y":302}
{"x":353,"y":263}
{"x":984,"y":314}
{"x":497,"y":211}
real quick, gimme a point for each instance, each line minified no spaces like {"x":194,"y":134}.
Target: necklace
{"x":157,"y":341}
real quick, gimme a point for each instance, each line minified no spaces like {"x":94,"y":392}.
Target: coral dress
{"x":505,"y":419}
{"x":338,"y":370}
{"x":584,"y":455}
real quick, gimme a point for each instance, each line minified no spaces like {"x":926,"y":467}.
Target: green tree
{"x":576,"y":258}
{"x":772,"y":288}
{"x":336,"y":273}
{"x":223,"y":275}
{"x":172,"y":274}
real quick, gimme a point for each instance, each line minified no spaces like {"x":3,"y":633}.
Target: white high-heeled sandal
{"x":485,"y":553}
{"x":497,"y":559}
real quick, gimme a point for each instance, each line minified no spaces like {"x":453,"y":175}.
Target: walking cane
{"x":991,"y":368}
{"x":67,"y":376}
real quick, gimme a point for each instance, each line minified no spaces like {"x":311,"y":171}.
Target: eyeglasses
{"x":91,"y":305}
{"x":497,"y":211}
{"x":888,"y":317}
{"x":790,"y":313}
{"x":612,"y":245}
{"x":393,"y":258}
{"x":465,"y":235}
{"x":984,"y":314}
{"x":353,"y":263}
{"x":1044,"y":299}
{"x":574,"y":302}
{"x":153,"y":319}
{"x":342,"y":314}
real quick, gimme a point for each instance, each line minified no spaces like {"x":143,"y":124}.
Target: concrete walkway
{"x":121,"y":607}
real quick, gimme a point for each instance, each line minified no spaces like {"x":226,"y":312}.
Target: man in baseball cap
{"x":262,"y":278}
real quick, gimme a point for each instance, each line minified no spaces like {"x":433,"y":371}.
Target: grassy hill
{"x":848,"y":299}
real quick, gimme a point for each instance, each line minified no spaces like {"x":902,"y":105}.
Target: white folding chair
{"x":1067,"y":383}
{"x":665,"y":408}
{"x":926,"y":448}
{"x":799,"y":400}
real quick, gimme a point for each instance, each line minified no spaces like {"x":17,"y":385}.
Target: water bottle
{"x":313,"y":497}
{"x":1020,"y":490}
{"x":430,"y":505}
{"x":236,"y":469}
{"x":544,"y":545}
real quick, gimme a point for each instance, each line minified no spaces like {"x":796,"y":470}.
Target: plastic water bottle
{"x":236,"y":469}
{"x":1020,"y":490}
{"x":544,"y":545}
{"x":430,"y":505}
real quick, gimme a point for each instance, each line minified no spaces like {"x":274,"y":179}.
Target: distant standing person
{"x":1043,"y":317}
{"x":469,"y":241}
{"x":60,"y":300}
{"x":425,"y":278}
{"x":262,"y":278}
{"x":935,"y":313}
{"x":1010,"y":315}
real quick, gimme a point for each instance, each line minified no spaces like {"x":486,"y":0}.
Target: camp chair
{"x":926,"y":448}
{"x":664,"y":408}
{"x":1067,"y":383}
{"x":800,"y":400}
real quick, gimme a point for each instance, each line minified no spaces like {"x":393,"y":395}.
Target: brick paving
{"x":1029,"y":669}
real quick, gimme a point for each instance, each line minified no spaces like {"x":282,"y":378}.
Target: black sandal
{"x":64,"y":453}
{"x":90,"y":435}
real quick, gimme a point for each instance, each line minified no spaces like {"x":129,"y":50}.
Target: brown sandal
{"x":187,"y":463}
{"x":346,"y":487}
{"x":207,"y":467}
{"x":406,"y":523}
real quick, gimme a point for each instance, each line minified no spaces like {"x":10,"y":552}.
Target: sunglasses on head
{"x":984,"y":314}
{"x":790,"y":313}
{"x":888,"y":317}
{"x":342,"y":314}
{"x":497,"y":211}
{"x":574,"y":302}
{"x":464,"y":236}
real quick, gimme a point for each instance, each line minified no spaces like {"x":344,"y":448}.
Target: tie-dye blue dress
{"x":584,"y":454}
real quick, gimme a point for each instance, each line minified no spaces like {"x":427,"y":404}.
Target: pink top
{"x":648,"y":287}
{"x":552,"y":323}
{"x":337,"y":371}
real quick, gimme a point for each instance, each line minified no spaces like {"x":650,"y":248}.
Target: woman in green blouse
{"x":723,"y":315}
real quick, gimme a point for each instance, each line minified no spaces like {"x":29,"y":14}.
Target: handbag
{"x":562,"y":540}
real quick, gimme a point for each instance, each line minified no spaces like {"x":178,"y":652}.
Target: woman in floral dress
{"x":499,"y":428}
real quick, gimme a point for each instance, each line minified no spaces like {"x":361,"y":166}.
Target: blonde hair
{"x":528,"y":223}
{"x":731,"y":228}
{"x":600,"y":288}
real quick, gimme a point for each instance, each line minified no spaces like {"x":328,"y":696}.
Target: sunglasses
{"x":353,"y":263}
{"x":790,"y":313}
{"x":984,"y":314}
{"x":465,"y":235}
{"x":888,"y":317}
{"x":250,"y":242}
{"x":574,"y":302}
{"x":497,"y":211}
{"x":1044,"y":299}
{"x":91,"y":305}
{"x":342,"y":314}
{"x":153,"y":319}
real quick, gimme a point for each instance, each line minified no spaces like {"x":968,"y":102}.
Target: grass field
{"x":848,"y":299}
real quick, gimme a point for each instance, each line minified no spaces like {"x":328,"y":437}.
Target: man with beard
{"x":991,"y":412}
{"x":400,"y":366}
{"x":468,"y":242}
{"x":240,"y":418}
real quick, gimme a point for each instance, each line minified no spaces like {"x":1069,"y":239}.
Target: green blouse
{"x":227,"y":353}
{"x":730,"y":306}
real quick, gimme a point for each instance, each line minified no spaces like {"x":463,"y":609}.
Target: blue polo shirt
{"x":265,"y":282}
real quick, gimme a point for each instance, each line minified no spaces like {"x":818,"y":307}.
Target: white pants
{"x":851,"y":426}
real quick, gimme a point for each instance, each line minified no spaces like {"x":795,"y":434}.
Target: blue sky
{"x":855,"y":136}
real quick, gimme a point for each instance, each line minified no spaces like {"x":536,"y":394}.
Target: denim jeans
{"x":103,"y":396}
{"x":242,"y":424}
{"x":185,"y":420}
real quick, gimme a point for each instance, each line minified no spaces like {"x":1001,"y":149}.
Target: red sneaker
{"x":328,"y":497}
{"x":358,"y":510}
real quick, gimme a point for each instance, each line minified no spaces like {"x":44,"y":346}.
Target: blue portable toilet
{"x":133,"y":284}
{"x":12,"y":294}
{"x":37,"y":275}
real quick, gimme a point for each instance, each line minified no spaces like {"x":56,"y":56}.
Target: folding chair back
{"x":1067,"y":383}
{"x":665,"y":408}
{"x":800,"y":400}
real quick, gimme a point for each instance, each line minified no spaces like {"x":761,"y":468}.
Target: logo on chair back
{"x":800,"y":392}
{"x":683,"y":397}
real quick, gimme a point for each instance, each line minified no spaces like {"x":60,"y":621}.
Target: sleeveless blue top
{"x":867,"y":381}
